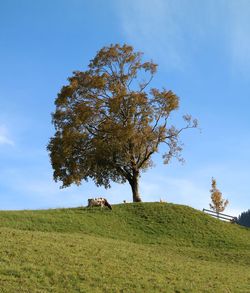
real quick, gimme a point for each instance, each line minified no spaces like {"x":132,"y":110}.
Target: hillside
{"x":143,"y":247}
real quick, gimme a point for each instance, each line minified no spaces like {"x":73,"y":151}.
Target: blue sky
{"x":203,"y":52}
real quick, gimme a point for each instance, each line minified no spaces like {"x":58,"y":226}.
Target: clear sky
{"x":203,"y":52}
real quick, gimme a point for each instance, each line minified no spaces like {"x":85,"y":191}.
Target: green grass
{"x":144,"y":247}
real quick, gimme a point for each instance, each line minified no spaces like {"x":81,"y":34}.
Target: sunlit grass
{"x":150,"y":247}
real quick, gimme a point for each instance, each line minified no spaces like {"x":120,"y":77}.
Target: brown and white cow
{"x":100,"y":201}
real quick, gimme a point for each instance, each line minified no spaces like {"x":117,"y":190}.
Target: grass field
{"x":143,"y":247}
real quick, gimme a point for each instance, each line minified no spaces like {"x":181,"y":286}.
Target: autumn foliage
{"x":109,"y":122}
{"x":218,"y":203}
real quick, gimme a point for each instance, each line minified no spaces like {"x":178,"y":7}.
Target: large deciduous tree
{"x":109,"y":123}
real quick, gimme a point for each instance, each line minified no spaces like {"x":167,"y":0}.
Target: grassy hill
{"x":142,"y":247}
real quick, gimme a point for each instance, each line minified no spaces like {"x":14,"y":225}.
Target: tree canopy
{"x":244,"y":218}
{"x":218,"y":203}
{"x":109,"y":122}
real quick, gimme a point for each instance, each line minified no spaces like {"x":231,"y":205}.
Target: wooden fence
{"x":221,"y":216}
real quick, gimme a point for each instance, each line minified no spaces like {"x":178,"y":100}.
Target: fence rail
{"x":221,"y":216}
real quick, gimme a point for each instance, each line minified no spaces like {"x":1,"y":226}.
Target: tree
{"x":218,"y":203}
{"x":109,"y":124}
{"x":244,"y":219}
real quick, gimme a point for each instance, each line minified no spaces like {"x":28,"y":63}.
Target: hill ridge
{"x":142,"y":247}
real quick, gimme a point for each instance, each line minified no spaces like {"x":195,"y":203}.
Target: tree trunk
{"x":134,"y":183}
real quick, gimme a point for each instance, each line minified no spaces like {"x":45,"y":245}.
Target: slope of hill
{"x":142,"y":247}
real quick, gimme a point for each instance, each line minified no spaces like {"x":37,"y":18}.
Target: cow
{"x":100,"y":201}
